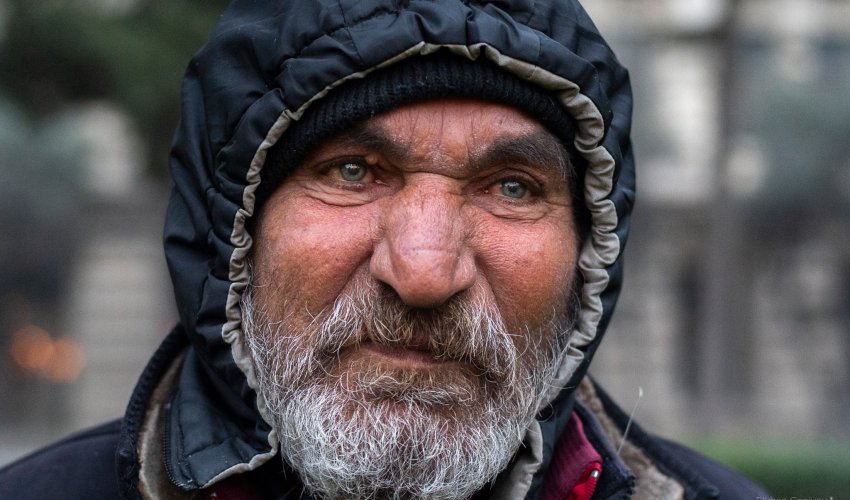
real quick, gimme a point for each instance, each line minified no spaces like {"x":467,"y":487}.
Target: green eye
{"x":352,"y":172}
{"x":514,"y":189}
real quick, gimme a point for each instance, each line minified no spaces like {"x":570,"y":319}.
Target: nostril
{"x":422,"y":277}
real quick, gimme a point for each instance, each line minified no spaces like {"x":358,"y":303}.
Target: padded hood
{"x":266,"y":63}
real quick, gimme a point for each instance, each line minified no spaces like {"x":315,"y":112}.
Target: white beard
{"x":376,"y":431}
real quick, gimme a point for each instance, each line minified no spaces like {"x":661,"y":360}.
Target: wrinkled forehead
{"x":462,"y":130}
{"x":461,"y":113}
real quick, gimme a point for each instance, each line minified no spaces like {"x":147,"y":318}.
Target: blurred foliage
{"x":788,"y":469}
{"x":57,"y":52}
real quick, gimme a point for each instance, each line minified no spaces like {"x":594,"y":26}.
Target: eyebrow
{"x":373,"y":138}
{"x":539,"y":149}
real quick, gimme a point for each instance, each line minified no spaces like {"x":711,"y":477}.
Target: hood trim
{"x":600,"y":250}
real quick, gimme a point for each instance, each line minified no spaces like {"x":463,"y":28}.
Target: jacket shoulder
{"x":729,"y":483}
{"x":79,"y":466}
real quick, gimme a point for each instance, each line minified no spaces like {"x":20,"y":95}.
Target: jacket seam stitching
{"x":181,"y":456}
{"x":330,"y":34}
{"x":347,"y":26}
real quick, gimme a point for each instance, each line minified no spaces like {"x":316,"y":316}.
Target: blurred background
{"x":734,"y":322}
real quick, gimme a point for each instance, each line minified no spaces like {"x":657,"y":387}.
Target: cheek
{"x":307,"y":252}
{"x":530,"y":270}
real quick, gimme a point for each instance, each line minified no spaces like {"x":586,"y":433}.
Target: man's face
{"x":411,"y":297}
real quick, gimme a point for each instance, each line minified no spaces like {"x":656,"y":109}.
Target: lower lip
{"x":409,"y":357}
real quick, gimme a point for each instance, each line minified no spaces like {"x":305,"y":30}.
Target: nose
{"x":422,"y":252}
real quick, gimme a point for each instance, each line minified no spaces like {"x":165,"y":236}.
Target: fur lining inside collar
{"x":651,"y":483}
{"x":153,"y":479}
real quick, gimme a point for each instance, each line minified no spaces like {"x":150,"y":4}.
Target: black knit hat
{"x":412,"y":80}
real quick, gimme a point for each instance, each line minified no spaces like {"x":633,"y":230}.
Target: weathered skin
{"x":439,"y":207}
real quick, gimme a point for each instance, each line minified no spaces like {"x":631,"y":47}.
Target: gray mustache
{"x":464,"y":330}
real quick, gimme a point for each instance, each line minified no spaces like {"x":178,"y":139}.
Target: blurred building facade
{"x":735,"y":315}
{"x":74,"y":345}
{"x":735,"y":319}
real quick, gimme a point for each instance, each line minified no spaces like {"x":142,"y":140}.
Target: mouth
{"x":407,"y":374}
{"x":411,"y":356}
